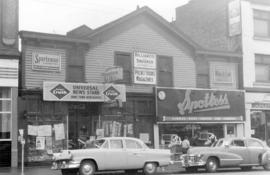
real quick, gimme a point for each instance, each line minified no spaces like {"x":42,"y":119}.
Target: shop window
{"x":165,"y":71}
{"x":261,"y":23}
{"x":258,"y":124}
{"x":124,"y":60}
{"x":262,"y":68}
{"x":5,"y":113}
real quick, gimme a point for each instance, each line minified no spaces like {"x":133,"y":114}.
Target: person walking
{"x":176,"y":146}
{"x":185,"y":145}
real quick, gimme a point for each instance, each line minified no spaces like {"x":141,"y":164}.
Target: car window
{"x":106,"y":145}
{"x":220,"y":143}
{"x":95,"y":143}
{"x":238,"y":143}
{"x":116,"y":144}
{"x":254,"y":143}
{"x":133,"y":144}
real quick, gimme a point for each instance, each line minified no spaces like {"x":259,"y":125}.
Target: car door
{"x":238,"y":147}
{"x":256,"y":149}
{"x":116,"y":157}
{"x":135,"y":154}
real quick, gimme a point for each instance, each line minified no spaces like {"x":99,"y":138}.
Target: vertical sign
{"x":144,"y":68}
{"x":234,"y":12}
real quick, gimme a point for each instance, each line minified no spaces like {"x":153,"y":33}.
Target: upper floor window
{"x":5,"y":113}
{"x":75,"y":66}
{"x":164,"y":69}
{"x":124,"y":60}
{"x":261,"y":23}
{"x":262,"y":68}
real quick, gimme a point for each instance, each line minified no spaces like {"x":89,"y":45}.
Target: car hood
{"x":200,"y":150}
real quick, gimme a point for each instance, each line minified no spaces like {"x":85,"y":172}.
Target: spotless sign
{"x":83,"y":92}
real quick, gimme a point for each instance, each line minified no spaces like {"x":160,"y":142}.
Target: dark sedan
{"x":230,"y":152}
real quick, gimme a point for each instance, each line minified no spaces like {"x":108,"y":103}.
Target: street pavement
{"x":172,"y":170}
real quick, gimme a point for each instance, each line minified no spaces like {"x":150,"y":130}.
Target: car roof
{"x":109,"y":138}
{"x":240,"y":138}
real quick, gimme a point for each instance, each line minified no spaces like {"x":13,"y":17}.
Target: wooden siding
{"x":33,"y":78}
{"x":143,"y":38}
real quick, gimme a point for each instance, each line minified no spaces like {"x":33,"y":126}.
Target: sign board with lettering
{"x":145,"y":60}
{"x":144,"y":70}
{"x":46,"y":62}
{"x":144,"y":76}
{"x":199,"y":105}
{"x":83,"y":92}
{"x":112,"y":74}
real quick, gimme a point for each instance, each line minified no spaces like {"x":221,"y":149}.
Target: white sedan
{"x":112,"y":153}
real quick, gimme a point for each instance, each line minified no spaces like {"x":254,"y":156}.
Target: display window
{"x":260,"y":125}
{"x":5,"y":113}
{"x":198,"y":134}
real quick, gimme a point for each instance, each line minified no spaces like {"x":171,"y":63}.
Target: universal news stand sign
{"x":185,"y":105}
{"x":83,"y":92}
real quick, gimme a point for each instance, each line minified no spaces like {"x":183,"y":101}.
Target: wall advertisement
{"x":46,"y":62}
{"x":144,"y":70}
{"x":83,"y":92}
{"x":210,"y":105}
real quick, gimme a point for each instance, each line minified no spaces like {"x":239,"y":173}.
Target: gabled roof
{"x":144,"y":10}
{"x":79,"y":32}
{"x":205,"y":21}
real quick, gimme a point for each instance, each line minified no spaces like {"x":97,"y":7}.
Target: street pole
{"x":21,"y":138}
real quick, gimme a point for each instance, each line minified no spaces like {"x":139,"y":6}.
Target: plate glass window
{"x":262,"y":68}
{"x":5,"y":113}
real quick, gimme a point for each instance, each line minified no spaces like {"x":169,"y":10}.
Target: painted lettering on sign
{"x":210,"y":102}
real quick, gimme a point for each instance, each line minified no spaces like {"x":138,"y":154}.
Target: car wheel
{"x":191,"y":169}
{"x":267,"y":166}
{"x":87,"y":168}
{"x":246,"y":168}
{"x":150,"y":168}
{"x":212,"y":165}
{"x":69,"y":171}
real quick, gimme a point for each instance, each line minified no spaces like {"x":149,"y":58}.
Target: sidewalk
{"x":46,"y":170}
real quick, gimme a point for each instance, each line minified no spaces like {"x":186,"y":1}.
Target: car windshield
{"x":218,"y":143}
{"x":95,"y":143}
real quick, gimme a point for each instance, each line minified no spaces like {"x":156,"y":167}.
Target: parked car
{"x":112,"y":153}
{"x":230,"y":152}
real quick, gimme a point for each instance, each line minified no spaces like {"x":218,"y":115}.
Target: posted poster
{"x":45,"y":130}
{"x":144,"y":137}
{"x":40,"y":143}
{"x":59,"y":131}
{"x":100,"y":133}
{"x":32,"y":130}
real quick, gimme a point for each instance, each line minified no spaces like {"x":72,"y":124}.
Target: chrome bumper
{"x":57,"y":165}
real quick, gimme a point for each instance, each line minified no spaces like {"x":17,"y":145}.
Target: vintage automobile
{"x":112,"y":153}
{"x":230,"y":152}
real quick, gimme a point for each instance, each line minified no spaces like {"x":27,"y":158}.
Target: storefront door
{"x":79,"y":125}
{"x":5,"y":152}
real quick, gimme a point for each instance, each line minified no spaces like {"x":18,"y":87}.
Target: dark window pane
{"x":5,"y":106}
{"x":75,"y":74}
{"x":5,"y":92}
{"x":165,"y":69}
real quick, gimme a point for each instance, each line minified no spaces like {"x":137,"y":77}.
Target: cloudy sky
{"x":61,"y":16}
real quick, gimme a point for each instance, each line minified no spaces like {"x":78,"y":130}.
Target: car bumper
{"x":192,"y":164}
{"x":65,"y":165}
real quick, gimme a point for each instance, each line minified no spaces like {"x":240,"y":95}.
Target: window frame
{"x":130,"y":71}
{"x":171,"y":70}
{"x":260,"y":61}
{"x":8,"y":112}
{"x":261,"y":19}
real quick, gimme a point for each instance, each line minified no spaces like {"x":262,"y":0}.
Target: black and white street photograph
{"x":134,"y":87}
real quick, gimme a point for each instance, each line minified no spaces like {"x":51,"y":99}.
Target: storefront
{"x":198,"y":113}
{"x":66,"y":114}
{"x":8,"y":111}
{"x":258,"y":108}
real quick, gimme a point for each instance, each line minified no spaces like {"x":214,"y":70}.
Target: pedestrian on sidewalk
{"x":185,"y":145}
{"x":176,"y":146}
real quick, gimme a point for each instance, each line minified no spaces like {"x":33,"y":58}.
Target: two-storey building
{"x":100,"y":82}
